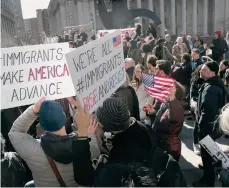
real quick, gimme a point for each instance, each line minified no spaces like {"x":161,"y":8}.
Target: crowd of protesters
{"x":131,"y":139}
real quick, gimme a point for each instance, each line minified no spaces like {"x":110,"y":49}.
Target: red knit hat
{"x":219,"y":33}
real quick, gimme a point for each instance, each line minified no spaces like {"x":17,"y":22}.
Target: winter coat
{"x":136,"y":55}
{"x":211,"y":99}
{"x":220,"y":47}
{"x":163,"y":53}
{"x":177,"y":52}
{"x":196,"y":63}
{"x":153,"y":31}
{"x":182,"y":73}
{"x":169,"y":46}
{"x":66,"y":151}
{"x":132,"y":100}
{"x":13,"y":172}
{"x":168,"y":125}
{"x":195,"y":87}
{"x":131,"y":145}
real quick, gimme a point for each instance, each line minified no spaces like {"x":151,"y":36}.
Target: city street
{"x":189,"y":160}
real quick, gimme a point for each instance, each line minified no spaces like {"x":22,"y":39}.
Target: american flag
{"x":157,"y":87}
{"x":116,"y":40}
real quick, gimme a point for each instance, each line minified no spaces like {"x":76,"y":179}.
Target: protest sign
{"x":97,"y":69}
{"x":214,"y":150}
{"x":131,"y":32}
{"x":31,"y":72}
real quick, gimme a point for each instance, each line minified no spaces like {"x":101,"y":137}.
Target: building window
{"x":70,"y":16}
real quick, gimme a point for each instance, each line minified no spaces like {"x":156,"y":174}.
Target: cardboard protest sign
{"x":97,"y":69}
{"x":214,"y":150}
{"x":131,"y":32}
{"x":31,"y":72}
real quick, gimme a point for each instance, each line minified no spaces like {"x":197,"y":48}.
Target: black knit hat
{"x":213,"y":66}
{"x":113,"y":114}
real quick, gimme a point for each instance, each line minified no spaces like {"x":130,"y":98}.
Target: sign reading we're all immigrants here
{"x":29,"y":73}
{"x":97,"y":69}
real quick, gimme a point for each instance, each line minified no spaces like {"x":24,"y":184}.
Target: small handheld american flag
{"x":157,"y":87}
{"x":116,"y":40}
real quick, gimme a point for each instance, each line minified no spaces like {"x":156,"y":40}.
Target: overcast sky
{"x":29,"y":7}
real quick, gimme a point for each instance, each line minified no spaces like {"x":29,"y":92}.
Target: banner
{"x":214,"y":150}
{"x":131,"y":32}
{"x":29,"y":73}
{"x":97,"y":69}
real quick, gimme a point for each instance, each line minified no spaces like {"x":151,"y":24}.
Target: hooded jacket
{"x":211,"y":99}
{"x":66,"y":151}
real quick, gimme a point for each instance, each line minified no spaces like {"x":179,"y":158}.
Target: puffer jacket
{"x":168,"y":125}
{"x":59,"y":148}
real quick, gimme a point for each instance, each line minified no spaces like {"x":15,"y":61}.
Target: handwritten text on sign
{"x":31,"y":72}
{"x":97,"y":69}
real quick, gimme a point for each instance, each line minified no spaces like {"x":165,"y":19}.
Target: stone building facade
{"x":19,"y":22}
{"x":201,"y":17}
{"x":64,"y":14}
{"x":7,"y":24}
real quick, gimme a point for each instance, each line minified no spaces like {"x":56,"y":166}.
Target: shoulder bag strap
{"x":56,"y":172}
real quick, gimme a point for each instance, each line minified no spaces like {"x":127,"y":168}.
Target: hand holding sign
{"x":82,"y":117}
{"x":36,"y":107}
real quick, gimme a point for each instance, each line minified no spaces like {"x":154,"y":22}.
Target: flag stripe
{"x":157,"y":87}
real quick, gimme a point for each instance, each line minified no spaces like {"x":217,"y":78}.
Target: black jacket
{"x":211,"y":99}
{"x":195,"y":87}
{"x":182,"y":73}
{"x":131,"y":145}
{"x":13,"y":172}
{"x":220,"y":47}
{"x":153,"y":31}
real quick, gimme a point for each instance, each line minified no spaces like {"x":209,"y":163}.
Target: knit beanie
{"x":213,"y":66}
{"x":113,"y":114}
{"x":51,"y":116}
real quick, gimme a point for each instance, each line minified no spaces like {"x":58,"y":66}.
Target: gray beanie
{"x":113,"y":114}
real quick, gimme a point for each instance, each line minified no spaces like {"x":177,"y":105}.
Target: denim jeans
{"x":30,"y":184}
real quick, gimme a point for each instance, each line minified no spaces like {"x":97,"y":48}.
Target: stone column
{"x":62,"y":15}
{"x":205,"y":18}
{"x":194,"y":17}
{"x":128,"y":4}
{"x":183,"y":17}
{"x":173,"y":16}
{"x":150,"y":5}
{"x":162,"y":16}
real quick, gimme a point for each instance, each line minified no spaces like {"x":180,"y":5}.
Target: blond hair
{"x":224,"y":119}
